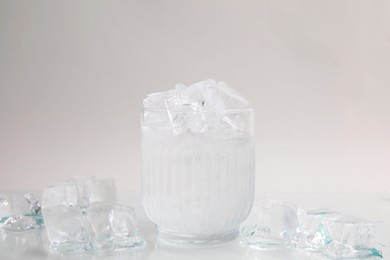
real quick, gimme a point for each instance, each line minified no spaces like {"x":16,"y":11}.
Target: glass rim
{"x":238,"y":110}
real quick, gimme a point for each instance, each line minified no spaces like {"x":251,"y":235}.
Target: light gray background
{"x":73,"y":74}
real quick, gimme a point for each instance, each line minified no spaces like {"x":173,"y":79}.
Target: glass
{"x":198,"y":187}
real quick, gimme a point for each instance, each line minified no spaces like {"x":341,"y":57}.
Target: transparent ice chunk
{"x":113,"y":227}
{"x":34,"y":204}
{"x":5,"y":208}
{"x":80,"y":215}
{"x":197,"y":108}
{"x":347,"y":237}
{"x":67,"y":229}
{"x":98,"y":215}
{"x":157,"y":100}
{"x":65,"y":194}
{"x":308,"y":224}
{"x":125,"y":228}
{"x":82,"y":190}
{"x":271,"y":224}
{"x":13,"y":203}
{"x":22,"y":223}
{"x":19,"y":211}
{"x":79,"y":192}
{"x":231,"y":98}
{"x":102,"y":190}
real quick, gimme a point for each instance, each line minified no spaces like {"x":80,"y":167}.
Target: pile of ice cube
{"x":19,"y":211}
{"x":198,"y":108}
{"x":275,"y":224}
{"x":82,"y":215}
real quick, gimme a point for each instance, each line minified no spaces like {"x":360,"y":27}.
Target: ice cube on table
{"x":5,"y":208}
{"x":98,"y":215}
{"x":19,"y":211}
{"x":65,"y":194}
{"x":34,"y":204}
{"x":82,"y":184}
{"x":102,"y":190}
{"x":125,"y":228}
{"x":13,"y":203}
{"x":21,"y":223}
{"x":271,"y":224}
{"x":91,"y":189}
{"x":113,"y":226}
{"x":67,"y":229}
{"x":308,"y":224}
{"x":347,"y":237}
{"x":79,"y":192}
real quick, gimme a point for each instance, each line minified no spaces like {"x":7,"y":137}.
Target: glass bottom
{"x":195,"y":241}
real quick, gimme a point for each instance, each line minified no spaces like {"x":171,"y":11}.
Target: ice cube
{"x":65,"y":194}
{"x":308,"y":224}
{"x":67,"y":229}
{"x":346,"y":237}
{"x":231,"y":99}
{"x":271,"y":224}
{"x":79,"y":192}
{"x":197,"y":108}
{"x":113,"y":227}
{"x":124,"y":227}
{"x":98,"y":215}
{"x":34,"y":204}
{"x":180,"y":110}
{"x":22,"y":223}
{"x":157,"y":100}
{"x":102,"y":190}
{"x":5,"y":208}
{"x":80,"y":215}
{"x":82,"y":184}
{"x":13,"y":203}
{"x":205,"y":104}
{"x":19,"y":211}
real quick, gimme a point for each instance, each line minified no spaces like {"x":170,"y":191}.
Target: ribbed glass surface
{"x":197,"y":184}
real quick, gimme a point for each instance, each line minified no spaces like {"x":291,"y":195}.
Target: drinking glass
{"x":197,"y":187}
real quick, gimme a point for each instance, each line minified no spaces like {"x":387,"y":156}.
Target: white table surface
{"x":376,"y":207}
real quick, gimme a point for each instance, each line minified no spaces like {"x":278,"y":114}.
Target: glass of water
{"x":198,"y":186}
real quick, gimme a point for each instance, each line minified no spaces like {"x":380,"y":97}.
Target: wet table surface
{"x":374,"y":207}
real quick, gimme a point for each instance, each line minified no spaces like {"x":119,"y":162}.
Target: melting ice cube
{"x":347,"y":237}
{"x":81,"y":215}
{"x":67,"y":229}
{"x":271,"y":224}
{"x":308,"y":224}
{"x":19,"y":211}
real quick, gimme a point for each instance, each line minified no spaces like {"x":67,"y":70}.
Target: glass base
{"x":195,"y":241}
